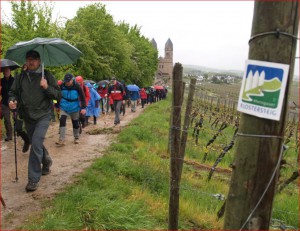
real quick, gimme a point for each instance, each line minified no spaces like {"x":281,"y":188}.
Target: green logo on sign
{"x":262,"y":86}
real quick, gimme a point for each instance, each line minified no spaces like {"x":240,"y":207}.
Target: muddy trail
{"x":68,"y":161}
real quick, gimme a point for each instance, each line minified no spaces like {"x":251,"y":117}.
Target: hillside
{"x":192,"y":69}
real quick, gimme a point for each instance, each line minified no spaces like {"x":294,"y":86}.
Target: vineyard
{"x":213,"y":131}
{"x":128,"y":188}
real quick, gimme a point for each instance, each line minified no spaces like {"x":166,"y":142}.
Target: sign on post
{"x":263,"y":89}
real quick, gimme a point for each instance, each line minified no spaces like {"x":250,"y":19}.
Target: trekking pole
{"x":2,"y":201}
{"x":15,"y":141}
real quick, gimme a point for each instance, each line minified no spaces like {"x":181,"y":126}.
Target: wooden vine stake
{"x":249,"y":201}
{"x":178,"y":141}
{"x":2,"y":201}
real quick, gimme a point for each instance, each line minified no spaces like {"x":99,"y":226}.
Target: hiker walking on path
{"x":102,"y":91}
{"x":116,"y":91}
{"x":152,"y":95}
{"x":33,"y":93}
{"x":56,"y":103}
{"x":71,"y":104}
{"x":143,"y":95}
{"x":6,"y":83}
{"x":93,"y":107}
{"x":134,"y":96}
{"x":86,"y":92}
{"x":126,"y":98}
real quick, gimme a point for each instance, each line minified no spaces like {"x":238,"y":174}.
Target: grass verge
{"x":128,"y":188}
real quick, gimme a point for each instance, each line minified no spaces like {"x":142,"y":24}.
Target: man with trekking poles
{"x":32,"y":95}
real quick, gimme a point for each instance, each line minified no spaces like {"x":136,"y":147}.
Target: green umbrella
{"x":53,"y":51}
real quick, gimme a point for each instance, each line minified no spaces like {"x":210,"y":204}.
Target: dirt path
{"x":67,"y":162}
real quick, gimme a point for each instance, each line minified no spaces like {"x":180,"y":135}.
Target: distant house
{"x":230,"y":79}
{"x":200,"y":78}
{"x":222,"y":79}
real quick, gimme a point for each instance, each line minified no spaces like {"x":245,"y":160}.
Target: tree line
{"x":109,"y":48}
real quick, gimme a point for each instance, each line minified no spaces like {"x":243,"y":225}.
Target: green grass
{"x":128,"y":188}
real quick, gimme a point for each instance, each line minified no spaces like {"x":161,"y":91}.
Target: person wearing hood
{"x":134,"y":97}
{"x":93,"y":107}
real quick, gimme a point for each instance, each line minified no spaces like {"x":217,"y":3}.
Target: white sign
{"x":263,"y":89}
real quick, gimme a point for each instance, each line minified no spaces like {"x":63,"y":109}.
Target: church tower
{"x":168,"y":60}
{"x":165,"y":66}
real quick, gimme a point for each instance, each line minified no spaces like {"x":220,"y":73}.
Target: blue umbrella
{"x":132,"y":87}
{"x":92,"y":82}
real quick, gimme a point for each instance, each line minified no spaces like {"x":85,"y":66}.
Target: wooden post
{"x":186,"y":123}
{"x":175,"y":133}
{"x":256,"y":158}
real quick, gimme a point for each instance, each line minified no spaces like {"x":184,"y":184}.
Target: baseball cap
{"x":33,"y":54}
{"x":68,"y":77}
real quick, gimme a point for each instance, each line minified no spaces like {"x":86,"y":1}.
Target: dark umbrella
{"x":103,"y":82}
{"x":132,"y":87}
{"x":9,"y":63}
{"x":53,"y":51}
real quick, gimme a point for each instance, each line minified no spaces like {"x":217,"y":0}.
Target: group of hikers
{"x":34,"y":94}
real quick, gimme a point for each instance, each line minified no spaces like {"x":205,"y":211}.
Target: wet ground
{"x":68,"y":161}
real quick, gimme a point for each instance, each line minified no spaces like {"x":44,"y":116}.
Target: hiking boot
{"x":25,"y":147}
{"x":45,"y":171}
{"x":31,"y":186}
{"x":46,"y":166}
{"x":60,"y":143}
{"x":76,"y":141}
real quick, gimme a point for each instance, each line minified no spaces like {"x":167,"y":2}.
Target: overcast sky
{"x":205,"y":33}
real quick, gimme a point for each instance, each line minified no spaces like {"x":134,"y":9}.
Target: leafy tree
{"x":106,"y":50}
{"x":205,"y":76}
{"x":144,"y":56}
{"x":29,"y":20}
{"x":215,"y":80}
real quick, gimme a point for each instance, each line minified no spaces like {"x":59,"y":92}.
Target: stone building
{"x":164,"y":72}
